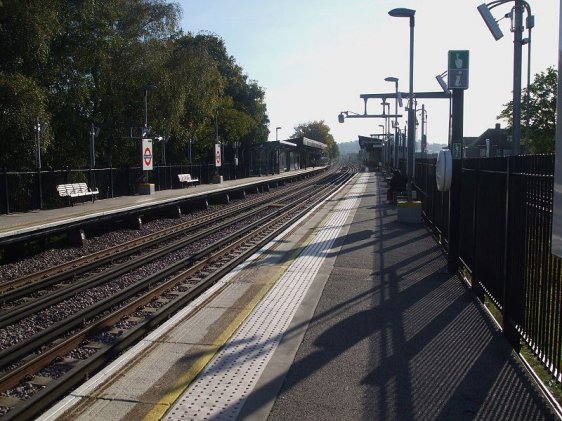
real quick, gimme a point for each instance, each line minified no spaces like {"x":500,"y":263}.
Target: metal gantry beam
{"x":416,"y":95}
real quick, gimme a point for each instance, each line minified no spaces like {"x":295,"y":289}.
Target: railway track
{"x":38,"y":370}
{"x":13,"y":289}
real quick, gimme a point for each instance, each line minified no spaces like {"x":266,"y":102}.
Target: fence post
{"x":111,"y":181}
{"x":40,"y":189}
{"x":6,"y":194}
{"x":476,"y":286}
{"x":509,"y":330}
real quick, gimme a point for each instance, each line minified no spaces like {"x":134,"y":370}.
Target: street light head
{"x":490,"y":21}
{"x":442,"y":83}
{"x":391,"y":79}
{"x":341,"y":117}
{"x":150,"y":86}
{"x":402,"y":12}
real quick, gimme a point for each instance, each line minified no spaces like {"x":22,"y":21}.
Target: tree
{"x":242,"y":113}
{"x":542,"y":112}
{"x":74,"y":63}
{"x":192,"y":88}
{"x":319,"y":131}
{"x":21,"y":102}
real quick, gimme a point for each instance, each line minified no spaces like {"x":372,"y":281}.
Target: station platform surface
{"x":17,"y":223}
{"x":348,"y":316}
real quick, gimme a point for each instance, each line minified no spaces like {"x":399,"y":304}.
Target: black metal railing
{"x":435,"y":204}
{"x":22,"y":191}
{"x":505,"y":244}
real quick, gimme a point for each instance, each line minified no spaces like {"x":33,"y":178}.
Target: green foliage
{"x":319,"y":131}
{"x":542,"y":112}
{"x":21,"y":101}
{"x":74,"y":63}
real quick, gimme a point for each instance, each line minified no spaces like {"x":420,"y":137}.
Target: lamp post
{"x":409,"y":13}
{"x":395,"y":80}
{"x":278,"y":152}
{"x":94,"y":132}
{"x":148,"y":87}
{"x":518,"y":42}
{"x":382,"y":137}
{"x":423,"y":140}
{"x":37,"y":128}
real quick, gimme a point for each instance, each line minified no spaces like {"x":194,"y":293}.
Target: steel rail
{"x":25,"y":285}
{"x":23,"y":348}
{"x":59,"y":387}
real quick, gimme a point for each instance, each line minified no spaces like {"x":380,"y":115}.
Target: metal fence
{"x":435,"y":204}
{"x":22,"y":191}
{"x":505,"y":245}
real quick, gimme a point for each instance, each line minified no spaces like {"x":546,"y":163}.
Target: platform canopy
{"x":304,"y":141}
{"x":367,"y":142}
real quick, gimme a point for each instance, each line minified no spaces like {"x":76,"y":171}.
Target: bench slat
{"x":186,"y":178}
{"x":73,"y":190}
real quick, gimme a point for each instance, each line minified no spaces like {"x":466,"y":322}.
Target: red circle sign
{"x":147,"y":156}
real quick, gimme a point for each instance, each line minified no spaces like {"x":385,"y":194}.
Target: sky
{"x":313,"y":58}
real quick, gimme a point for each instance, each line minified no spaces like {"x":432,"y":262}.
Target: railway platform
{"x":18,"y":227}
{"x":348,"y":315}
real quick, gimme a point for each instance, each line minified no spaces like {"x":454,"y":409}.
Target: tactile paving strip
{"x":222,"y":388}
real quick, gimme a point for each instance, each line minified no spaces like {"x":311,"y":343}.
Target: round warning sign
{"x":147,"y":156}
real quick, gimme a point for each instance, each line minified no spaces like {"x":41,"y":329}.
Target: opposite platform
{"x":16,"y":225}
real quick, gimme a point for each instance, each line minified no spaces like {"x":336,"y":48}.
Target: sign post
{"x":218,"y":158}
{"x":458,"y":82}
{"x":218,"y":162}
{"x":147,"y":160}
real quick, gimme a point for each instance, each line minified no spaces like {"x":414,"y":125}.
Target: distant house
{"x":491,"y":143}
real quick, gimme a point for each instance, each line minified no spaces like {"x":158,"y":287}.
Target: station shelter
{"x":280,"y":156}
{"x":310,"y":152}
{"x":375,"y":148}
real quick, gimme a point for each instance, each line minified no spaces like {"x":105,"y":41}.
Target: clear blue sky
{"x":314,"y":58}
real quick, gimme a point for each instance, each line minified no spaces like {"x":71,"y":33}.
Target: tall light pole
{"x":37,"y":128}
{"x":395,"y":80}
{"x":423,"y":139}
{"x":409,"y":13}
{"x":148,"y":87}
{"x":278,"y":147}
{"x":518,"y":41}
{"x":383,"y":128}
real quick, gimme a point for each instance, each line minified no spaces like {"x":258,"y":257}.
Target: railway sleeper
{"x":8,"y":401}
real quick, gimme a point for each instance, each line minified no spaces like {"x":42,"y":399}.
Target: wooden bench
{"x":187,"y":180}
{"x":75,"y":190}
